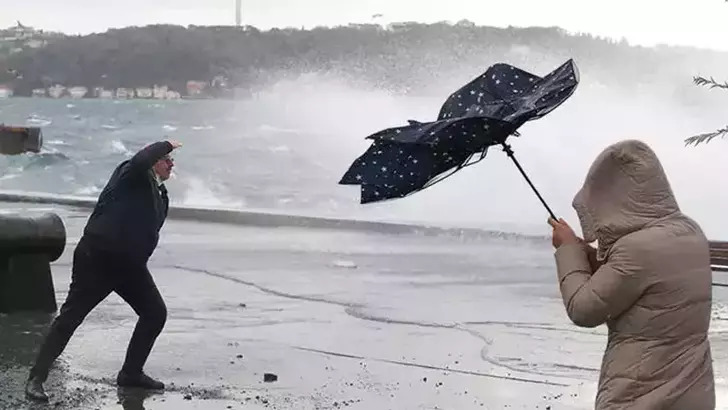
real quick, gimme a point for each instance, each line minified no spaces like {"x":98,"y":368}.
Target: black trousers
{"x":95,"y":274}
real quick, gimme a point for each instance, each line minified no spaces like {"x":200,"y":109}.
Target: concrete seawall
{"x":266,"y":218}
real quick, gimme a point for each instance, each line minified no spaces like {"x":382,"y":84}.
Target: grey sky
{"x":686,"y":22}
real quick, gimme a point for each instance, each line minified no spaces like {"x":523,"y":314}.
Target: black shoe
{"x":34,"y":390}
{"x":139,"y":380}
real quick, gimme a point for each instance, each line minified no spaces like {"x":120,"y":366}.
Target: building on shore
{"x":144,"y":92}
{"x":57,"y":91}
{"x":124,"y":93}
{"x":5,"y":91}
{"x":196,"y":88}
{"x":160,"y":92}
{"x":77,"y":92}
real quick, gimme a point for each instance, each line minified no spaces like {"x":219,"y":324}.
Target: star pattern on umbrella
{"x":484,"y":112}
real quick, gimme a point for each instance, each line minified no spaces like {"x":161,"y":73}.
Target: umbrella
{"x":484,"y":112}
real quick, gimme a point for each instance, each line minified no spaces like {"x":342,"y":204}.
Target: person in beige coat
{"x":648,"y":279}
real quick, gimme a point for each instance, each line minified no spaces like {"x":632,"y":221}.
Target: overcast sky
{"x":685,"y":22}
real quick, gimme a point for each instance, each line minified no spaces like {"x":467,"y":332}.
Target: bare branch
{"x":711,"y":83}
{"x":706,"y":137}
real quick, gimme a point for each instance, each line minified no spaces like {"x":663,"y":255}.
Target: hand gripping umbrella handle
{"x":509,"y":152}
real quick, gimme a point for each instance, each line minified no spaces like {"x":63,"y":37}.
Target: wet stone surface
{"x":421,"y":323}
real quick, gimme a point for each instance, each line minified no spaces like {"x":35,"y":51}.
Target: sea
{"x":285,"y":148}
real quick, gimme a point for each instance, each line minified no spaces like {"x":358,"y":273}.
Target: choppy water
{"x":286,"y":148}
{"x":227,"y":158}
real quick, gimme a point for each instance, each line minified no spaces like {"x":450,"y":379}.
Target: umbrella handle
{"x":509,"y":152}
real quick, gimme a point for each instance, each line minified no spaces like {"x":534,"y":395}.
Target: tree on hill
{"x":403,"y":57}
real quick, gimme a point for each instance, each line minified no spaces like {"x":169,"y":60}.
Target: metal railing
{"x":719,"y":258}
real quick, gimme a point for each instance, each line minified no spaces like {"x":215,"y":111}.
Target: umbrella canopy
{"x":484,"y":112}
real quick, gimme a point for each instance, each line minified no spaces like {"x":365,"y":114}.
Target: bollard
{"x":28,"y":245}
{"x":17,"y":140}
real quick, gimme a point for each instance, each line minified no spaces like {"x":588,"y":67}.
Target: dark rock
{"x":239,"y":356}
{"x":270,"y":377}
{"x":188,"y":397}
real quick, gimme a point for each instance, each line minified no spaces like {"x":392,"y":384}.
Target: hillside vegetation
{"x":403,"y":57}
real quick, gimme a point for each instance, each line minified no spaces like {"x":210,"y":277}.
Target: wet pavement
{"x":355,"y":320}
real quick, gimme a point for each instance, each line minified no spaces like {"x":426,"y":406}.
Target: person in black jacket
{"x":111,"y":256}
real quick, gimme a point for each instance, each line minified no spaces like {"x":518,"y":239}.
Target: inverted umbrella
{"x":484,"y":112}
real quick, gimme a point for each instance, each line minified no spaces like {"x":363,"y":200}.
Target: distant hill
{"x":404,"y":57}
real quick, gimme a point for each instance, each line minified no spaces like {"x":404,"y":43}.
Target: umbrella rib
{"x":435,"y":181}
{"x":459,"y":167}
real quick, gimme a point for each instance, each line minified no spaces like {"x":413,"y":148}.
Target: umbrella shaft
{"x":509,"y":152}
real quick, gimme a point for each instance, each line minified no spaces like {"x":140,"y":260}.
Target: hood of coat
{"x":625,"y":189}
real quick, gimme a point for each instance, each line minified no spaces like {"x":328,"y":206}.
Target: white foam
{"x":334,"y":116}
{"x":56,"y":142}
{"x":88,"y":191}
{"x":119,"y":147}
{"x":277,"y":130}
{"x":203,"y":127}
{"x":37,"y":120}
{"x":344,"y":264}
{"x":6,"y":177}
{"x":280,"y":148}
{"x":204,"y":194}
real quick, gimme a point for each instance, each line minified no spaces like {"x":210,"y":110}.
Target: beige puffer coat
{"x":651,"y":285}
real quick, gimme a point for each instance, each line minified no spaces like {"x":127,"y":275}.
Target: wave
{"x":287,"y":147}
{"x":273,"y":129}
{"x":45,"y":159}
{"x":118,"y":147}
{"x":37,"y":121}
{"x":56,"y":142}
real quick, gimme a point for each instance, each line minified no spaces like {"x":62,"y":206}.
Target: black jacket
{"x":131,"y":209}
